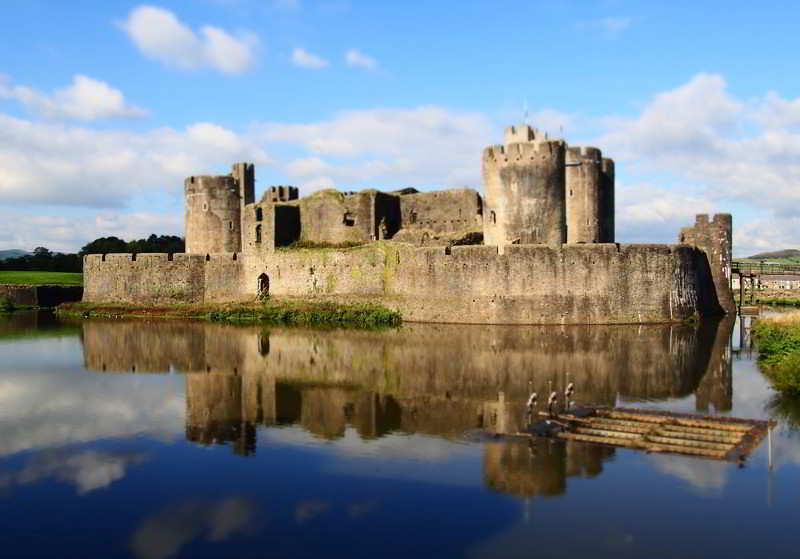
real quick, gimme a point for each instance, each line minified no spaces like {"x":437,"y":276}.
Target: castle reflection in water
{"x":439,"y":380}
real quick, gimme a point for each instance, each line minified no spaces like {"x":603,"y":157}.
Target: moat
{"x":157,"y":439}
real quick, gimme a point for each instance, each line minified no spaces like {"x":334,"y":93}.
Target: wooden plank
{"x":665,"y":419}
{"x":652,"y":447}
{"x":648,"y":437}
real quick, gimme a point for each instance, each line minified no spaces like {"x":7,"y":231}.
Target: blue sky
{"x":106,"y":106}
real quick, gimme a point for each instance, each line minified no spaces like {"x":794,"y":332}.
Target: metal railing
{"x":759,"y":268}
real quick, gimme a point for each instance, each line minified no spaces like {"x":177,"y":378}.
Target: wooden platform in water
{"x":721,"y":438}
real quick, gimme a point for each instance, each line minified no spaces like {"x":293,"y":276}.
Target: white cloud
{"x":358,"y":59}
{"x":56,"y":164}
{"x":85,"y":99}
{"x":67,"y":233}
{"x":305,"y":59}
{"x":163,"y":534}
{"x":87,"y":470}
{"x":47,"y":409}
{"x":390,"y":147}
{"x":160,"y":35}
{"x":726,"y":148}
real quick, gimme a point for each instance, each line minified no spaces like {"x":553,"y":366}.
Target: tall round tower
{"x":584,"y":195}
{"x":607,"y":234}
{"x":524,"y":182}
{"x":213,"y":214}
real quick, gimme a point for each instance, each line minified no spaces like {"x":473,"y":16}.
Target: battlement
{"x":523,"y":133}
{"x":210,"y":184}
{"x":515,"y":152}
{"x":155,"y":258}
{"x":593,"y":154}
{"x":280,"y":193}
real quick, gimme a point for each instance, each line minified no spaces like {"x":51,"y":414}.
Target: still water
{"x":165,"y":439}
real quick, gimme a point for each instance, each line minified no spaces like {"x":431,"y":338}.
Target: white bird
{"x":568,"y":393}
{"x":551,"y":401}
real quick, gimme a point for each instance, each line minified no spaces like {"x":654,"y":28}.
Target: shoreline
{"x":279,"y":312}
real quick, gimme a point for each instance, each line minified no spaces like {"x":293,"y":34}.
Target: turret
{"x":214,"y":207}
{"x":607,"y":209}
{"x":584,"y":186}
{"x":524,"y":184}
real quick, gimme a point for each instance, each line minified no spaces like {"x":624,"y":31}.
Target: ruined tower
{"x":214,"y":207}
{"x":583,"y":196}
{"x":524,"y":183}
{"x":607,"y":232}
{"x":715,"y":238}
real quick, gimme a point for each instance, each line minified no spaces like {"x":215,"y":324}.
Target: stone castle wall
{"x":459,"y":209}
{"x":715,"y":238}
{"x":528,"y":284}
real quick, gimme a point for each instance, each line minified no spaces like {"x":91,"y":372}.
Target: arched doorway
{"x":263,"y":286}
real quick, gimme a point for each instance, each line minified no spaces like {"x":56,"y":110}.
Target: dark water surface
{"x":166,"y":439}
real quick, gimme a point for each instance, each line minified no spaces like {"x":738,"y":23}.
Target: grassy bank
{"x":778,"y":340}
{"x":40,"y":278}
{"x":295,"y":313}
{"x":779,"y":301}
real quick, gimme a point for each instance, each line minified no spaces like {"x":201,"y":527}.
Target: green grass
{"x":778,"y":341}
{"x":272,"y":311}
{"x":779,"y":302}
{"x":40,"y":278}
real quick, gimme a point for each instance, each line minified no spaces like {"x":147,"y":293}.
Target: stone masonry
{"x":548,"y":253}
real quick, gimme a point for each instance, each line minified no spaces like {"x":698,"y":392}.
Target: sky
{"x":105,"y":107}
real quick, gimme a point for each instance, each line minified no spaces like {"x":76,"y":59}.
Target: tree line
{"x":45,"y":260}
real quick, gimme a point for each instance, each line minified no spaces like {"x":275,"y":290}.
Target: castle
{"x":538,"y":249}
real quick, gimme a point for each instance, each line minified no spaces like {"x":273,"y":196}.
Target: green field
{"x":40,"y":278}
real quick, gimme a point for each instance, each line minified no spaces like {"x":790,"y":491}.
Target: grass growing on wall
{"x":272,"y":311}
{"x":778,"y":340}
{"x":321,"y":244}
{"x":40,"y":278}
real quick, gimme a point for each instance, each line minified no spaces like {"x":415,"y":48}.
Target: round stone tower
{"x":584,"y":187}
{"x":524,"y":182}
{"x":607,"y":234}
{"x":213,"y":214}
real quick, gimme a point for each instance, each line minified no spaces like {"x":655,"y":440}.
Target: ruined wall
{"x":525,"y":189}
{"x":387,"y":216}
{"x":40,"y":295}
{"x":143,"y":278}
{"x":330,"y":216}
{"x":455,"y":210}
{"x":213,"y":214}
{"x":715,"y":238}
{"x":607,"y":203}
{"x":584,"y":186}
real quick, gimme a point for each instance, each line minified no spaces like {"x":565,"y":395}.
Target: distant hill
{"x":12,"y":253}
{"x":786,"y":253}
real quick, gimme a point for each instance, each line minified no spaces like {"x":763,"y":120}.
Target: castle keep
{"x":538,"y":249}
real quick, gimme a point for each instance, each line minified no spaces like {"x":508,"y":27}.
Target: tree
{"x":104,"y":245}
